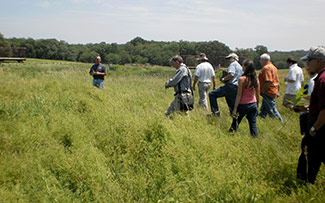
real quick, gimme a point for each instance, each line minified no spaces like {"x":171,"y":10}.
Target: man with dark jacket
{"x":181,"y":83}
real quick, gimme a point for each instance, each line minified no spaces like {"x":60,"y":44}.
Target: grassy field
{"x":62,"y":140}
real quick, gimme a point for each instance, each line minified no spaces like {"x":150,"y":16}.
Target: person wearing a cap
{"x":302,"y":168}
{"x":204,"y":73}
{"x":294,"y":79}
{"x":229,"y":90}
{"x":98,"y":71}
{"x":270,"y":86}
{"x":316,"y":150}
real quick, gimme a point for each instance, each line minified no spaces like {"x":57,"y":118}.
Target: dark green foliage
{"x":142,"y":51}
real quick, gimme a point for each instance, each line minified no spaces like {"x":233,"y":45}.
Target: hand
{"x":234,"y":113}
{"x":214,"y":87}
{"x":312,"y":133}
{"x":193,"y":88}
{"x":298,"y":109}
{"x":278,"y":94}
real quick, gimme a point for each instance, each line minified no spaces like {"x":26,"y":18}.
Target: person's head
{"x":203,"y":58}
{"x":265,"y":59}
{"x":291,"y":61}
{"x":250,"y":73}
{"x":248,"y":66}
{"x":309,"y":72}
{"x":232,"y":57}
{"x":176,"y":61}
{"x":315,"y":59}
{"x":98,"y":60}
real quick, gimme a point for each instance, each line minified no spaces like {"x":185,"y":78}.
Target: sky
{"x":282,"y":25}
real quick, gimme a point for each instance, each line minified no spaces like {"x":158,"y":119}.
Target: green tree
{"x":88,"y":56}
{"x":112,"y":58}
{"x":259,"y":50}
{"x":4,"y":43}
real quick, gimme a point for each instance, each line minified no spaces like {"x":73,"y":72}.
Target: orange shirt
{"x":270,"y":73}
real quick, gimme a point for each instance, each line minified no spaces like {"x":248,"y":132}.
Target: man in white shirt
{"x":204,"y":74}
{"x":294,"y":79}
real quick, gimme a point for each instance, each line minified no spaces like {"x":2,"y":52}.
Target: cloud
{"x":43,"y":4}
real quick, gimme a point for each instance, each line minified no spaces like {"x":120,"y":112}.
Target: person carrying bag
{"x":182,"y":85}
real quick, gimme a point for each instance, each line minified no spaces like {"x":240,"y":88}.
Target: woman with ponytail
{"x":247,"y":98}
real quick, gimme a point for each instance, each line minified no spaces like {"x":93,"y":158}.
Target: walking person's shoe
{"x":214,"y":114}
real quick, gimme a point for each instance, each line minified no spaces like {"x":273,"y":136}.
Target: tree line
{"x":140,"y":51}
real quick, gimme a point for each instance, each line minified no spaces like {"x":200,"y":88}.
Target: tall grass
{"x":61,"y":140}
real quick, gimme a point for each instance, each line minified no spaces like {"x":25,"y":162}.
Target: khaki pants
{"x":203,"y":90}
{"x":287,"y":98}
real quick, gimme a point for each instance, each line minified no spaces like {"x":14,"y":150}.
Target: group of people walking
{"x":242,"y":89}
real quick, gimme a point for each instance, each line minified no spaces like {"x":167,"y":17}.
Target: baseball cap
{"x":203,"y":57}
{"x":315,"y":53}
{"x":232,"y":55}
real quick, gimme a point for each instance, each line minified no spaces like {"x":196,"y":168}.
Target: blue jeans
{"x":250,"y":111}
{"x":99,"y":83}
{"x":269,"y":107}
{"x":229,"y":91}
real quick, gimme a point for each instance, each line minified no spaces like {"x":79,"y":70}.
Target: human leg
{"x":231,"y":94}
{"x":316,"y":154}
{"x":101,"y":84}
{"x":174,"y":106}
{"x":302,"y":161}
{"x":289,"y":100}
{"x":203,"y":89}
{"x":269,"y":106}
{"x":263,"y":109}
{"x":236,"y":121}
{"x":251,"y":117}
{"x":94,"y":82}
{"x":213,"y":95}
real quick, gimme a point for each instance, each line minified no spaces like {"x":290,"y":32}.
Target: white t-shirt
{"x":295,"y":73}
{"x":310,"y":87}
{"x":204,"y":71}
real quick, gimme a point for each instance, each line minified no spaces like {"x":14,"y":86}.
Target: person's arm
{"x":91,"y":71}
{"x":100,"y":73}
{"x":319,"y":123}
{"x":241,"y":82}
{"x":103,"y":68}
{"x":288,"y":80}
{"x":228,"y":77}
{"x":176,"y":79}
{"x":213,"y":78}
{"x":196,"y":78}
{"x":257,"y":93}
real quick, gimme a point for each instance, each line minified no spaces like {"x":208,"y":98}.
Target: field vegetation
{"x":62,"y":140}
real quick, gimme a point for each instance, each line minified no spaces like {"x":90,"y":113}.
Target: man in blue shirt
{"x":229,"y":90}
{"x":98,"y":71}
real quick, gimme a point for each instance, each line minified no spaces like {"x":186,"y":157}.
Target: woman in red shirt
{"x":247,"y":98}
